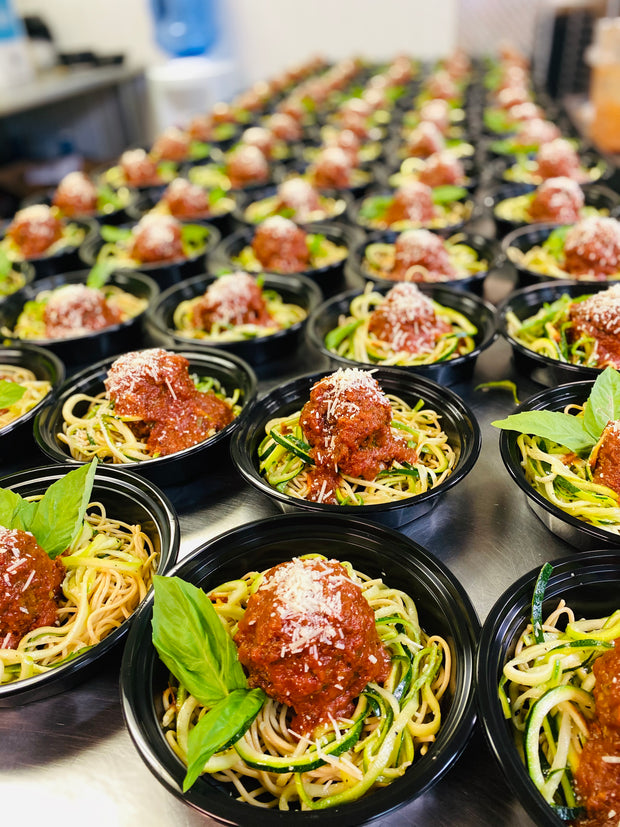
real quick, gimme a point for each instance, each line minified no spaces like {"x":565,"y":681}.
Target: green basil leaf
{"x":220,"y":727}
{"x":448,"y":193}
{"x":315,"y":244}
{"x":192,"y":641}
{"x":99,"y":274}
{"x":10,"y":393}
{"x":109,"y":197}
{"x":562,"y":428}
{"x":194,"y":237}
{"x":59,"y":514}
{"x":113,"y":234}
{"x":375,"y":206}
{"x":15,"y":511}
{"x":497,"y":121}
{"x":603,"y":403}
{"x":5,"y":264}
{"x":554,"y":243}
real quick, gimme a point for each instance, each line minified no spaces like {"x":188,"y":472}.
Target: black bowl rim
{"x":135,"y":487}
{"x":293,"y":281}
{"x":203,"y":356}
{"x":567,"y":393}
{"x":566,"y":571}
{"x":57,"y":366}
{"x":412,"y":383}
{"x":459,"y":297}
{"x":216,"y":551}
{"x":79,"y":277}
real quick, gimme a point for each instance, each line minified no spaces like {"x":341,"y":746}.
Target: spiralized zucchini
{"x":353,"y":340}
{"x":393,"y":725}
{"x":287,"y":470}
{"x":35,"y":391}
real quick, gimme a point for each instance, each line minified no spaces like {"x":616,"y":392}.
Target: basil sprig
{"x":575,"y":433}
{"x":447,"y":193}
{"x":56,"y":519}
{"x":195,"y":646}
{"x":10,"y":393}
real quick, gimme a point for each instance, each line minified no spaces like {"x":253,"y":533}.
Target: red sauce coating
{"x":75,"y":309}
{"x":424,"y":140}
{"x":223,"y":112}
{"x":139,"y":168}
{"x":592,"y":247}
{"x":308,"y":638}
{"x":605,"y":458}
{"x":558,"y":157}
{"x":261,"y":138}
{"x":246,"y":165}
{"x":437,"y":112}
{"x":536,"y":132}
{"x":511,"y":96}
{"x":406,"y":319}
{"x":598,"y":780}
{"x":599,"y":317}
{"x":200,"y":128}
{"x":281,"y":245}
{"x":30,"y":584}
{"x":172,"y":145}
{"x":421,"y":249}
{"x":284,"y":127}
{"x":155,"y":386}
{"x":441,"y":85}
{"x":233,"y":299}
{"x":332,"y":169}
{"x":157,"y":238}
{"x":34,"y":229}
{"x":186,"y":200}
{"x":299,"y":196}
{"x":76,"y":195}
{"x":346,"y":422}
{"x":348,"y":142}
{"x":442,"y":168}
{"x":413,"y":201}
{"x":557,"y":200}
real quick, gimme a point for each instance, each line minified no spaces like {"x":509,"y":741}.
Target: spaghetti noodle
{"x":34,"y":391}
{"x":391,"y":726}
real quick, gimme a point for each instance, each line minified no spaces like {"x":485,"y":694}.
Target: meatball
{"x":424,"y":140}
{"x":599,"y":317}
{"x":76,"y":195}
{"x":536,"y":132}
{"x":233,"y":299}
{"x":558,"y":200}
{"x":172,"y":145}
{"x":436,"y":111}
{"x":186,"y":200}
{"x":34,"y":229}
{"x":558,"y":158}
{"x":139,"y":168}
{"x":526,"y":111}
{"x":442,"y":168}
{"x":512,"y":96}
{"x":246,"y":165}
{"x":298,"y":195}
{"x":441,"y":85}
{"x":592,"y":247}
{"x":157,"y":238}
{"x":31,"y":585}
{"x":261,"y":138}
{"x":348,"y":142}
{"x":332,"y":169}
{"x":308,"y":638}
{"x":413,"y":201}
{"x":605,"y":457}
{"x":284,"y":127}
{"x":280,"y":245}
{"x":420,"y":255}
{"x":75,"y":309}
{"x":223,"y":113}
{"x":200,"y":128}
{"x":407,"y":320}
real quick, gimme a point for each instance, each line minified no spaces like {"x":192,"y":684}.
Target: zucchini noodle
{"x":379,"y":258}
{"x":446,"y":215}
{"x":109,"y":570}
{"x":36,"y":390}
{"x":30,"y":323}
{"x":92,"y":428}
{"x":545,"y":691}
{"x":72,"y":236}
{"x":547,"y":333}
{"x":353,"y":340}
{"x":286,"y":468}
{"x":283,"y":316}
{"x":392,"y":726}
{"x":517,"y":209}
{"x":565,"y":479}
{"x":323,"y":253}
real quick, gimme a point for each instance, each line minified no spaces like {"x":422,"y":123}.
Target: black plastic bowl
{"x":126,"y":497}
{"x":590,"y":586}
{"x":16,"y":437}
{"x":578,"y":533}
{"x":597,"y":196}
{"x":166,"y":273}
{"x":66,"y":258}
{"x":330,"y":278}
{"x":227,"y":368}
{"x":294,"y":289}
{"x":486,"y":248}
{"x":444,"y":608}
{"x":90,"y":347}
{"x":527,"y":302}
{"x":458,"y":422}
{"x":479,"y":312}
{"x":523,"y":239}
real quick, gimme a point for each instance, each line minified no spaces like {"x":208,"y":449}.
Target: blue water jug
{"x":185,"y":27}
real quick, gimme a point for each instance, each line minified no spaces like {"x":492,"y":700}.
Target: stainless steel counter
{"x":69,"y":759}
